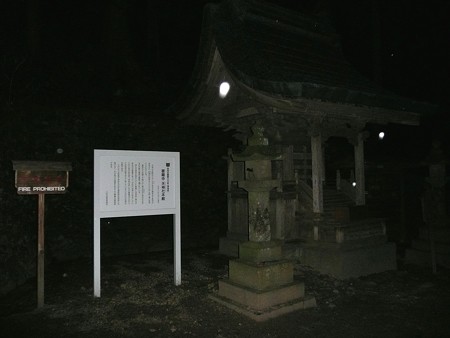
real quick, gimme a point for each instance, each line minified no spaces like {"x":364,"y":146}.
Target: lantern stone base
{"x":255,"y":304}
{"x":261,"y":284}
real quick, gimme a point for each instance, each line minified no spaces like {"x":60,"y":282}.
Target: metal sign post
{"x":40,"y":178}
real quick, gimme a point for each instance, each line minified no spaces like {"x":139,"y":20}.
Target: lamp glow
{"x":354,"y":184}
{"x":224,"y":89}
{"x":381,"y":135}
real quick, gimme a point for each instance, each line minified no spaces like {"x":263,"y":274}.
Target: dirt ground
{"x":139,"y":299}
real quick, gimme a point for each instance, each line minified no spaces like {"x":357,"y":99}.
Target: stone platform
{"x":344,"y":261}
{"x":263,"y":313}
{"x":261,"y":283}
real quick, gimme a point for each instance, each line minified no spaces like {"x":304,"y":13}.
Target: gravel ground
{"x":139,"y":299}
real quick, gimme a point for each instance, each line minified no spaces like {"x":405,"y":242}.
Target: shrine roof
{"x":284,"y":60}
{"x":286,"y":53}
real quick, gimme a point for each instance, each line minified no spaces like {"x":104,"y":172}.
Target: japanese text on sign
{"x":137,"y":183}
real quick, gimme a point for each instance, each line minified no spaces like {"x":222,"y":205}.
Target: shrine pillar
{"x":317,"y":172}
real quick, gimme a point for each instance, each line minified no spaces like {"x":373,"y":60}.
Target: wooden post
{"x":317,"y":159}
{"x":40,"y":178}
{"x":359,"y":171}
{"x":40,"y":252}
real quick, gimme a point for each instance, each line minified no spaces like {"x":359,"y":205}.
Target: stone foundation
{"x":348,"y":262}
{"x":261,"y":283}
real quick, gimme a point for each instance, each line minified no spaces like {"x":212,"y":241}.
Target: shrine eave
{"x":281,"y":62}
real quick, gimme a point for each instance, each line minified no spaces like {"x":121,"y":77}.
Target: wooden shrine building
{"x":288,"y":72}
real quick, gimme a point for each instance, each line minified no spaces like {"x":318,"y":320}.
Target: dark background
{"x":81,"y":75}
{"x":132,"y":55}
{"x":85,"y":50}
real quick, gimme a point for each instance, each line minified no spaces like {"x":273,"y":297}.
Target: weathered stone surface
{"x":260,"y":251}
{"x":259,"y":279}
{"x":260,"y":300}
{"x":269,"y":313}
{"x":258,"y":208}
{"x":261,"y":276}
{"x":258,"y":214}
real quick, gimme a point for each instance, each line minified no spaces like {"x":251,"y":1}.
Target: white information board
{"x":136,"y":183}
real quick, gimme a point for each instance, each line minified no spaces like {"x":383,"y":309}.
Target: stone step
{"x":336,"y":198}
{"x":334,"y":231}
{"x":268,"y":313}
{"x":361,"y":230}
{"x":260,"y":300}
{"x":332,"y":205}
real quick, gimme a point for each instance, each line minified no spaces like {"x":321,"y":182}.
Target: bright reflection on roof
{"x":224,"y":89}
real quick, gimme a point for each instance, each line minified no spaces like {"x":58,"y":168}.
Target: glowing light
{"x":381,"y":135}
{"x":59,"y":150}
{"x":224,"y":89}
{"x":354,"y":184}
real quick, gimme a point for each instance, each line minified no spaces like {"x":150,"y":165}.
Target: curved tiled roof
{"x":286,"y":68}
{"x":288,"y":54}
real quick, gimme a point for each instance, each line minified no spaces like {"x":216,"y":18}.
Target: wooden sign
{"x":36,"y":177}
{"x":41,"y":178}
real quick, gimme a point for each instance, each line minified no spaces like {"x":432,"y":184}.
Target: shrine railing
{"x":302,"y":165}
{"x":305,"y":192}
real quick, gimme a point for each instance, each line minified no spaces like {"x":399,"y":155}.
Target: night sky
{"x":88,"y":52}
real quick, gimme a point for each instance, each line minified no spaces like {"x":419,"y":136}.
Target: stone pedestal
{"x":347,"y":251}
{"x":261,"y":283}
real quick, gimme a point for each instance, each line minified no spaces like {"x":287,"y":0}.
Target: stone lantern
{"x":261,"y":283}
